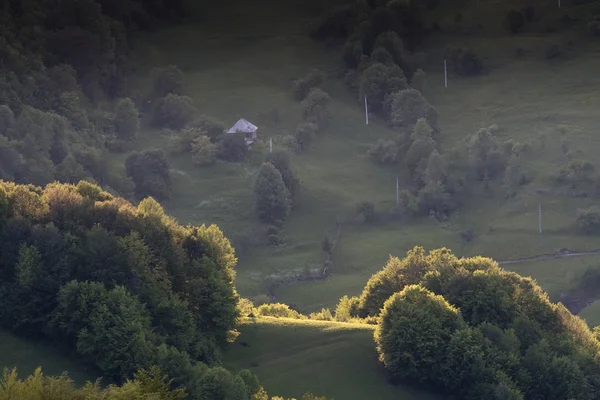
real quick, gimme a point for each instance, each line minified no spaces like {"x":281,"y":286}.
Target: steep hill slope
{"x":337,"y":360}
{"x":238,"y":70}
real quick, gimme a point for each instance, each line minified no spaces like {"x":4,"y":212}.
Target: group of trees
{"x":188,"y":132}
{"x":63,"y":87}
{"x":468,"y":328}
{"x":315,"y":102}
{"x":122,"y":287}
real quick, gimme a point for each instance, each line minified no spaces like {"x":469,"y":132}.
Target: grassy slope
{"x":327,"y":358}
{"x":239,"y":70}
{"x":591,"y":314}
{"x":27,"y":355}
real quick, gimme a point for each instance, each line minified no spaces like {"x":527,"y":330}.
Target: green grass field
{"x":26,"y":356}
{"x":292,"y":357}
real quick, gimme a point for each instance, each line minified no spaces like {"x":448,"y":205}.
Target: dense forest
{"x":121,"y":287}
{"x":63,"y":87}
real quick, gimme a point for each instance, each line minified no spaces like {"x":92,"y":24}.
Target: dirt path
{"x":559,"y":254}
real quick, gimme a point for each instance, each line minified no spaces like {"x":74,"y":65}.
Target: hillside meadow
{"x":243,"y":72}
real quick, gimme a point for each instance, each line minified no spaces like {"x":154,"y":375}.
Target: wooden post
{"x":397,"y":192}
{"x":445,"y":74}
{"x":366,"y":111}
{"x":540,"y":217}
{"x":270,"y":145}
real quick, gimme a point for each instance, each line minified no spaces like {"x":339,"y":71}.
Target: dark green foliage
{"x":507,"y":340}
{"x":71,"y":107}
{"x":421,"y":147}
{"x":391,"y":42}
{"x":515,"y":20}
{"x":414,"y":333}
{"x":302,"y":87}
{"x":123,"y":287}
{"x":87,"y":314}
{"x":174,"y":111}
{"x":384,"y":151}
{"x":378,"y":82}
{"x":127,"y":120}
{"x":314,"y":107}
{"x":273,"y":203}
{"x":306,"y":132}
{"x":394,"y":277}
{"x":232,"y":147}
{"x":408,"y":106}
{"x":588,"y":220}
{"x":576,"y":172}
{"x":365,"y":211}
{"x":282,"y":162}
{"x":485,"y":155}
{"x":464,"y":61}
{"x":339,"y":22}
{"x":204,"y":152}
{"x":167,"y":80}
{"x":150,"y":173}
{"x":209,"y":126}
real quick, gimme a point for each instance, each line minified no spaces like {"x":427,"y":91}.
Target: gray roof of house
{"x":243,"y":126}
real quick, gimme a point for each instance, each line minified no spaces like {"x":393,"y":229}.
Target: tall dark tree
{"x":273,"y":203}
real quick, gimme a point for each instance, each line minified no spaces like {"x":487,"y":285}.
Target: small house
{"x":247,"y":128}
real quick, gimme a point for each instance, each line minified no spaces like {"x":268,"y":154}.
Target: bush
{"x":210,"y":127}
{"x":576,"y":172}
{"x":391,"y":42}
{"x":302,"y":87}
{"x":110,"y":328}
{"x":278,"y":310}
{"x":379,"y":81}
{"x":127,"y":120}
{"x":323,"y":315}
{"x":204,"y":152}
{"x":414,"y":330}
{"x":418,"y":80}
{"x":347,"y":309}
{"x":339,"y":22}
{"x":305,"y":133}
{"x":365,"y":211}
{"x":282,"y":162}
{"x":464,"y":61}
{"x":384,"y":151}
{"x":232,"y":147}
{"x":588,"y":220}
{"x":421,"y":147}
{"x":166,"y":81}
{"x":174,"y":111}
{"x":314,"y":107}
{"x":515,"y":20}
{"x":150,"y":173}
{"x":408,"y":106}
{"x":382,"y":56}
{"x":273,"y":202}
